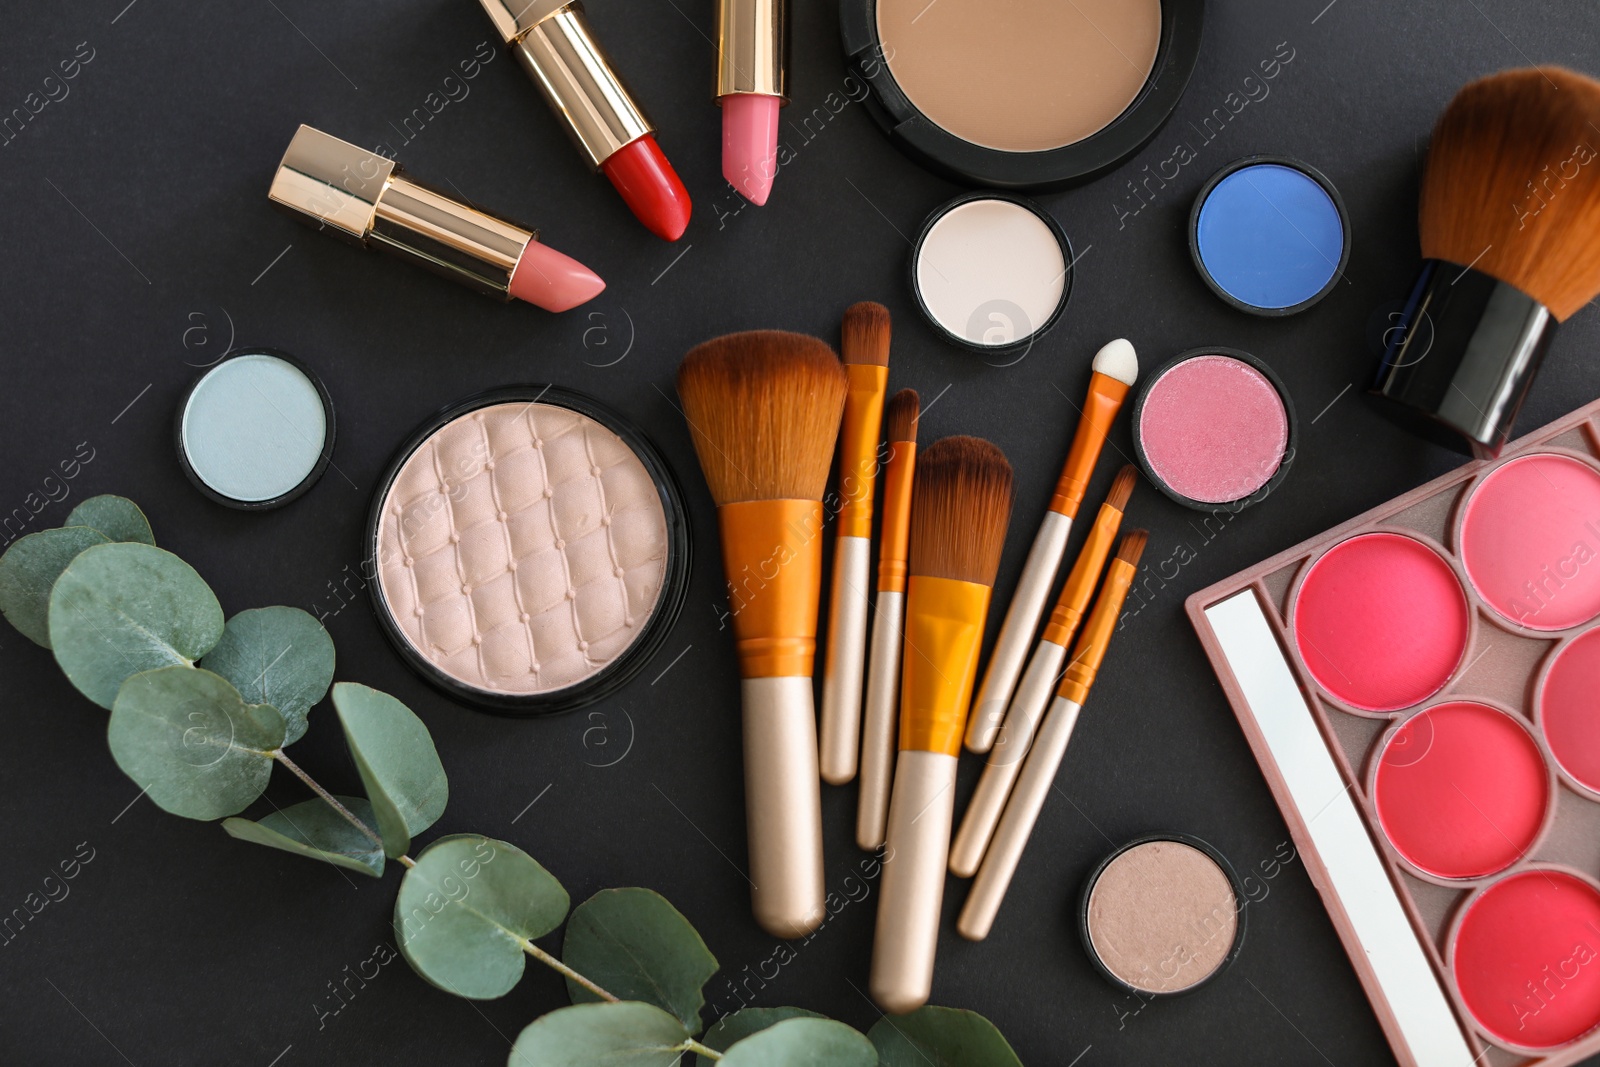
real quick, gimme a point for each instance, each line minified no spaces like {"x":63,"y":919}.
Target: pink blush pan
{"x":1381,"y":621}
{"x":1461,"y":790}
{"x":1530,"y":541}
{"x":1569,"y":709}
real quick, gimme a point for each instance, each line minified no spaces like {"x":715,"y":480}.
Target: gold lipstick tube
{"x":752,"y":48}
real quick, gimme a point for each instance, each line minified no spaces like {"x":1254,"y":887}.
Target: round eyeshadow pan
{"x":256,"y":430}
{"x":1212,"y":429}
{"x":1530,"y":541}
{"x":1269,"y":235}
{"x":1461,"y":790}
{"x":1381,"y":621}
{"x":1533,"y":931}
{"x":1569,"y":711}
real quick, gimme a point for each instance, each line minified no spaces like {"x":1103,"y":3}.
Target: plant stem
{"x":691,"y":1045}
{"x":328,"y":798}
{"x":556,"y":965}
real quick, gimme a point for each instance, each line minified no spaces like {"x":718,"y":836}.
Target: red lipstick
{"x":552,"y":41}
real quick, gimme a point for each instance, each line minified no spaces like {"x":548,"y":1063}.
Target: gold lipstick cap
{"x":752,"y":48}
{"x":333,"y":182}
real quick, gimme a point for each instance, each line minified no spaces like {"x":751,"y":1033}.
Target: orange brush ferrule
{"x":894,"y":542}
{"x":772,"y":554}
{"x":1075,"y":595}
{"x":944,"y":629}
{"x":1091,"y":649}
{"x":1106,"y":395}
{"x":858,"y":447}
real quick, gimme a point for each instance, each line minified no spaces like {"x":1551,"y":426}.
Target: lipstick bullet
{"x":752,"y":84}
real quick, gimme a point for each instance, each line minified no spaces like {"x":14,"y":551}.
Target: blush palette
{"x":1421,"y":687}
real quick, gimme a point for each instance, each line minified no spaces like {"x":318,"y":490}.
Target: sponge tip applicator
{"x":1118,"y":360}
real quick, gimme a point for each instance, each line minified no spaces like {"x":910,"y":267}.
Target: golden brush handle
{"x":1022,"y":812}
{"x":783,"y":805}
{"x":1005,"y":759}
{"x":1016,"y":634}
{"x":880,"y":720}
{"x":913,"y":880}
{"x":845,"y":660}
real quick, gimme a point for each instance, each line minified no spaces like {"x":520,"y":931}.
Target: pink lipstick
{"x":363,"y":198}
{"x":752,"y":84}
{"x":552,"y":41}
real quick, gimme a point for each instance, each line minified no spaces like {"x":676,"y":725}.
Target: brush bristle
{"x":1132,"y":546}
{"x":764,"y":410}
{"x":960,"y":508}
{"x":864,"y":337}
{"x":1512,"y":184}
{"x":1122,"y":487}
{"x":905,"y":407}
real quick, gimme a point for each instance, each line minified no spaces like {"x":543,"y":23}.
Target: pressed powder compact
{"x":256,"y":430}
{"x":1022,"y":93}
{"x":991,"y":271}
{"x":1162,"y":915}
{"x":530,"y":551}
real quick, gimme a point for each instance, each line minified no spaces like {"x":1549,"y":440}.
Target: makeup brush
{"x":1115,"y":368}
{"x":1044,"y":759}
{"x":763,"y":409}
{"x":864,"y":344}
{"x":883,"y":666}
{"x":960,"y":507}
{"x":1041,"y":677}
{"x":1510,"y":227}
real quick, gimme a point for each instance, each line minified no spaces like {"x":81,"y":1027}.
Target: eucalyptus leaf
{"x":635,"y":945}
{"x":734,"y":1028}
{"x":465,"y":910}
{"x":315,"y":830}
{"x":115,"y":516}
{"x":30,"y":568}
{"x":121,"y":609}
{"x":398,"y":764}
{"x":191,"y":741}
{"x":804,"y":1043}
{"x":940,"y":1037}
{"x":279,"y":656}
{"x":624,"y":1034}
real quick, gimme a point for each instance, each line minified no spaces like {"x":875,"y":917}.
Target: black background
{"x":137,"y":242}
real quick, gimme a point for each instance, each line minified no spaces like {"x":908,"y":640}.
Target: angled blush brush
{"x":864,"y":344}
{"x":960,"y":507}
{"x":763,"y":409}
{"x":883,"y":667}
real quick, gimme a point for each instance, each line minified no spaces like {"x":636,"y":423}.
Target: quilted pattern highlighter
{"x":522,"y":547}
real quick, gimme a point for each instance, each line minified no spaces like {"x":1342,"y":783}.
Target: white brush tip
{"x":1118,"y":360}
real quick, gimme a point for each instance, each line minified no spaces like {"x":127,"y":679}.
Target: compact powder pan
{"x":1162,"y":915}
{"x":530,"y":551}
{"x":1215,"y":429}
{"x":1022,"y":94}
{"x":991,"y":271}
{"x":256,"y":430}
{"x":1568,"y":709}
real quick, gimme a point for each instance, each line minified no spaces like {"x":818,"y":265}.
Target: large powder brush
{"x":764,"y":410}
{"x":1510,"y":227}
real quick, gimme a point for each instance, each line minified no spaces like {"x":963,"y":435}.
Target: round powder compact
{"x":1568,"y":711}
{"x":1269,"y":235}
{"x":991,"y":271}
{"x":1526,"y":958}
{"x":1530,"y":541}
{"x":1381,"y":621}
{"x":1164,"y":914}
{"x":530,"y":551}
{"x":1461,"y":790}
{"x":1022,"y":93}
{"x":1214,"y":428}
{"x":255,"y":430}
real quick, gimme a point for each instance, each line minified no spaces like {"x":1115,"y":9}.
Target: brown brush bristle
{"x":864,"y":337}
{"x":905,"y":407}
{"x":960,"y":508}
{"x":1122,"y":487}
{"x":1132,"y":546}
{"x":764,"y":410}
{"x":1512,"y":184}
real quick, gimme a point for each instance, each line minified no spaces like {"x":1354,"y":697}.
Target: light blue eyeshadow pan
{"x":254,"y":428}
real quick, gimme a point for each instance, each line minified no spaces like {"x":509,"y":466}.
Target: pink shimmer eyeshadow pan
{"x":1213,"y":429}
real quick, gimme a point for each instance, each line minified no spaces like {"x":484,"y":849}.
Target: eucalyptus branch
{"x":691,"y":1045}
{"x":331,"y":800}
{"x":556,"y":965}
